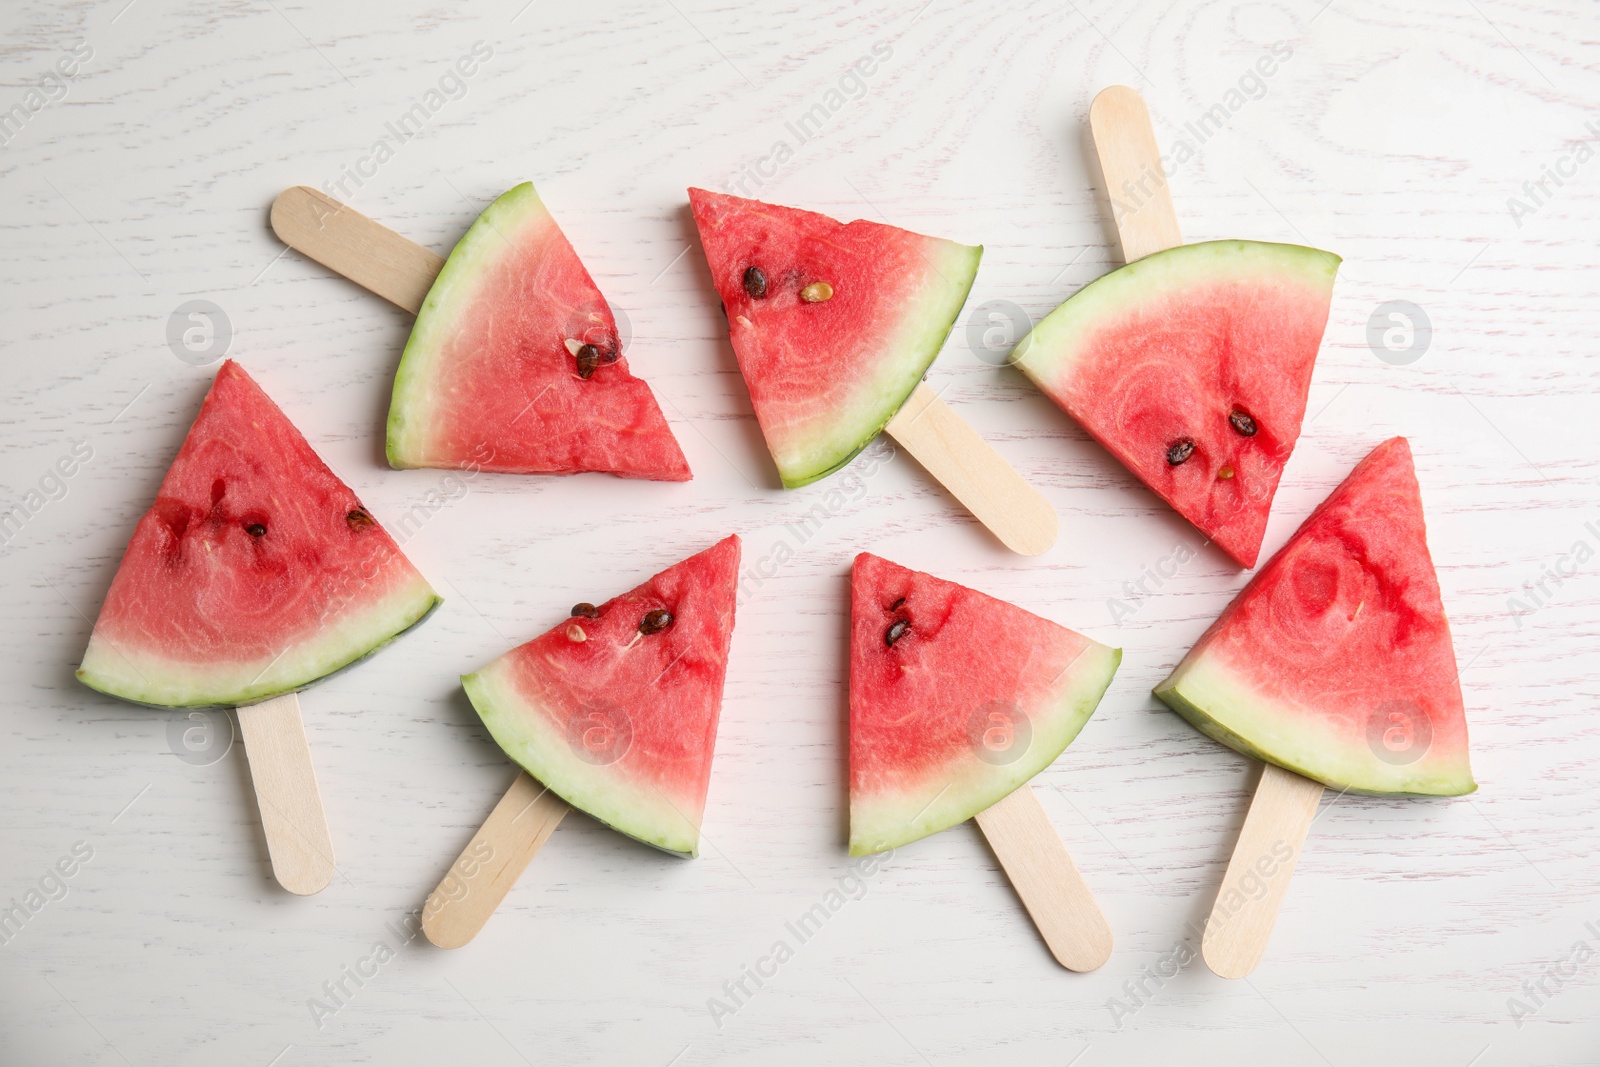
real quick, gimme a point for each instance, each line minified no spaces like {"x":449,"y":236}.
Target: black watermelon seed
{"x":898,"y":604}
{"x":1243,"y":424}
{"x":755,"y":283}
{"x":588,"y":359}
{"x":1179,"y":452}
{"x":896,"y":631}
{"x":585,"y":610}
{"x":655,"y":621}
{"x":255,"y":529}
{"x":358,"y":518}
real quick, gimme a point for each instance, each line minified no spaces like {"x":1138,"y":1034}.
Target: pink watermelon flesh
{"x":1208,"y":346}
{"x":973,"y":697}
{"x":617,"y":720}
{"x":489,"y":379}
{"x":255,"y":572}
{"x":826,"y":376}
{"x":1336,"y":660}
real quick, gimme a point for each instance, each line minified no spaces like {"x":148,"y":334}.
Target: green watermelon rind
{"x":523,"y":730}
{"x":882,"y":821}
{"x":1051,"y":351}
{"x":1222,"y":704}
{"x":156,"y":682}
{"x":405,"y":439}
{"x":926,"y":326}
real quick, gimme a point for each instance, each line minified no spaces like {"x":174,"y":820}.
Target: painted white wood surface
{"x":1393,"y":134}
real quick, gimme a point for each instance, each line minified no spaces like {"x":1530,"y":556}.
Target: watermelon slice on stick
{"x":614,"y":711}
{"x":1335,"y":665}
{"x":956,"y":701}
{"x":1192,"y":363}
{"x":515,"y":364}
{"x":254,"y":574}
{"x":834,"y":324}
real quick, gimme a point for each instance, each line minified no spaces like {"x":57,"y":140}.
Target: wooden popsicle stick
{"x":348,"y":243}
{"x":1044,"y":876}
{"x":967,"y":465}
{"x":1284,"y":804}
{"x":1258,"y":874}
{"x":1141,"y":203}
{"x":292,"y":816}
{"x":371,"y":255}
{"x":491,"y":863}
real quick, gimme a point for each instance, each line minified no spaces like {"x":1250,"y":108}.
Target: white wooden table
{"x":1392,"y":133}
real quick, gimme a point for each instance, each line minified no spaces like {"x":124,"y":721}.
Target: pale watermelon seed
{"x":576,"y":635}
{"x":816,"y":293}
{"x":1225,"y":473}
{"x":573,"y":344}
{"x":755,"y":283}
{"x":1179,"y":452}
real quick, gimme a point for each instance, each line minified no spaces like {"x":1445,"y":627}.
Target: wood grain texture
{"x":490,"y":865}
{"x":1393,"y":135}
{"x":1259,"y":871}
{"x":292,"y":816}
{"x":967,"y":465}
{"x":1044,"y":876}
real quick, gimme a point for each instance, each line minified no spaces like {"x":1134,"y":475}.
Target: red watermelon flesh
{"x":616,"y":710}
{"x":956,"y":699}
{"x":1200,"y":354}
{"x":255,"y":572}
{"x":1336,"y":660}
{"x":493,"y":377}
{"x":825,"y":375}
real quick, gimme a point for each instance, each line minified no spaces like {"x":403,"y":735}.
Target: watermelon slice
{"x":956,"y":699}
{"x":1192,"y":366}
{"x":256,"y":571}
{"x":615,"y":709}
{"x":1336,"y":661}
{"x":515,"y":363}
{"x":833,"y":323}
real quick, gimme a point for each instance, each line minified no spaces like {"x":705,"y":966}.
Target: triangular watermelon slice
{"x":615,"y":709}
{"x":1192,"y":366}
{"x":833,"y":323}
{"x":1336,"y":660}
{"x":255,"y":572}
{"x":515,"y":363}
{"x":956,"y":699}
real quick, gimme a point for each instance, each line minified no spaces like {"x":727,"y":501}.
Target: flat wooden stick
{"x":491,"y":863}
{"x":286,"y":792}
{"x":1140,"y":201}
{"x":1285,"y":803}
{"x":967,"y":465}
{"x":1043,"y":874}
{"x":347,"y":242}
{"x":1258,"y":874}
